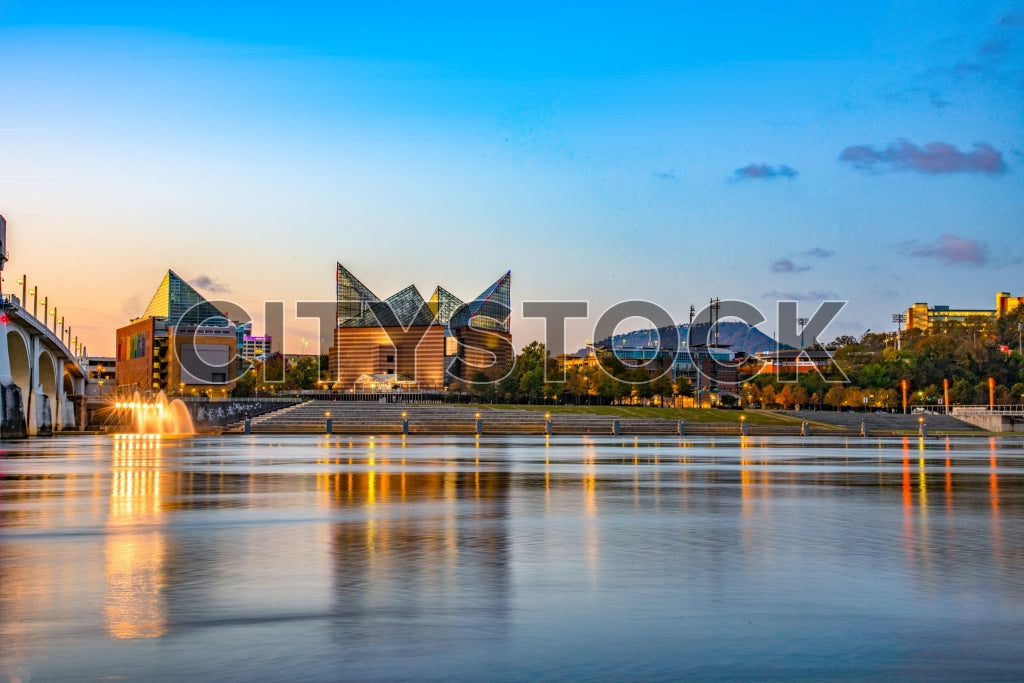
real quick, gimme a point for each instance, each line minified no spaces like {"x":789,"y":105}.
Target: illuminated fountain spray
{"x":158,"y":416}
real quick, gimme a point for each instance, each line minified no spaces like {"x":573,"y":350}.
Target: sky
{"x":866,"y":152}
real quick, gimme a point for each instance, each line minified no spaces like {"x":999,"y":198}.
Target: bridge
{"x":40,"y":378}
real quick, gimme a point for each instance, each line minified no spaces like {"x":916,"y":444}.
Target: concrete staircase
{"x":349,"y":417}
{"x":386,"y":418}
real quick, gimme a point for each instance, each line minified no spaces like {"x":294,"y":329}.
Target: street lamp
{"x":54,"y":314}
{"x":46,"y":309}
{"x":35,"y":297}
{"x":23,"y":281}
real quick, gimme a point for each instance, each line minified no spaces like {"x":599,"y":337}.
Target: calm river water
{"x":307,"y":558}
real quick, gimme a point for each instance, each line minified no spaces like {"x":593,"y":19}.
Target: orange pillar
{"x":991,"y":392}
{"x":903,"y":386}
{"x":945,"y":393}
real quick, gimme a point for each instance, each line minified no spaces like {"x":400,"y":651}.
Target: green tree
{"x":531,"y":384}
{"x":874,"y":375}
{"x":640,"y":384}
{"x":961,"y":391}
{"x":576,"y":384}
{"x":303,"y":373}
{"x":245,"y":386}
{"x":683,"y":387}
{"x":662,"y":387}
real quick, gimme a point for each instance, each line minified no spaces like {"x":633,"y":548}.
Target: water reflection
{"x":592,"y":557}
{"x":409,"y":563}
{"x":135,"y":545}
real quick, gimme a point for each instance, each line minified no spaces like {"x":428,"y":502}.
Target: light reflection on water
{"x":511,"y":558}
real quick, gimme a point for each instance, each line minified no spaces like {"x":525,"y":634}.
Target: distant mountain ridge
{"x":734,"y":334}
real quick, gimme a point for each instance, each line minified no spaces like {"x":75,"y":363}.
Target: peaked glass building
{"x":178,"y":303}
{"x":181,"y":344}
{"x":409,"y":341}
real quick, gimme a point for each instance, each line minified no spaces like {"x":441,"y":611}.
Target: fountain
{"x":158,"y":416}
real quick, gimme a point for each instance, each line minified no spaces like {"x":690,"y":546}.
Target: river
{"x":511,"y":558}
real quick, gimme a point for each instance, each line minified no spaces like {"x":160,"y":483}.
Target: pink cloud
{"x":952,"y":251}
{"x":933,"y":158}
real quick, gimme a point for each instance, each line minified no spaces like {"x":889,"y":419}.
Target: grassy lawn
{"x":757,"y":417}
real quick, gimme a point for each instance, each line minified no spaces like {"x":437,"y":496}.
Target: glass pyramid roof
{"x":180,"y":304}
{"x":404,"y":309}
{"x":359,"y":307}
{"x":443,"y":304}
{"x":490,"y":310}
{"x":354,"y":298}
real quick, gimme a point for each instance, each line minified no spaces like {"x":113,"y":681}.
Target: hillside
{"x":737,"y":335}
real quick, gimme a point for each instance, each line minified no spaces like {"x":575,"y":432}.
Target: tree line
{"x":867,"y":373}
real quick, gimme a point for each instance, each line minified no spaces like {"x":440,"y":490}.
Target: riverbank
{"x":320,"y":417}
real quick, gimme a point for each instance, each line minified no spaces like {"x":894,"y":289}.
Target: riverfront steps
{"x":883,"y":423}
{"x":312,"y":417}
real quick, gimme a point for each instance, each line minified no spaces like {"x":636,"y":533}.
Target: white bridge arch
{"x":38,"y":376}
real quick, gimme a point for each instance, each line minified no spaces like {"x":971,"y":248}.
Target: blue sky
{"x":601,"y":151}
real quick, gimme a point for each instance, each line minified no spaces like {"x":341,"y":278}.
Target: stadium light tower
{"x":899,"y":319}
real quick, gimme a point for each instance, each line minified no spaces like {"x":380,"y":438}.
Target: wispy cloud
{"x":818,"y":252}
{"x":665,"y":175}
{"x":763,"y":172}
{"x":208,"y":284}
{"x":1011,"y":19}
{"x":813,"y":295}
{"x":989,"y":62}
{"x":950,"y":250}
{"x":994,"y":48}
{"x":784,"y":265}
{"x":934,"y":158}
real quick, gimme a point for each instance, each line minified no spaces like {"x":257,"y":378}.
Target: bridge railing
{"x":11,"y":301}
